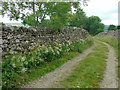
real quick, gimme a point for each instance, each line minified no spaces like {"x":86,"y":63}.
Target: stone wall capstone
{"x":22,"y":39}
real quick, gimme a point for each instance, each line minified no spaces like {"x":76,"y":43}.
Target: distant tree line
{"x":113,"y":27}
{"x":60,"y":14}
{"x":92,"y":24}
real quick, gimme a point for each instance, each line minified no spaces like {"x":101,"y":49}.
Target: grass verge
{"x":114,"y":43}
{"x":15,"y":80}
{"x":89,"y":71}
{"x":48,"y":67}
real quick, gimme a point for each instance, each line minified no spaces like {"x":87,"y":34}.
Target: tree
{"x":93,"y":25}
{"x":1,"y":23}
{"x":34,"y":13}
{"x":112,"y":27}
{"x":78,"y":19}
{"x":118,"y":27}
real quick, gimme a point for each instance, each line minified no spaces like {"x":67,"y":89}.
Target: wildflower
{"x":17,"y":40}
{"x":41,"y":60}
{"x":57,"y":48}
{"x":69,"y":42}
{"x":67,"y":45}
{"x":60,"y":49}
{"x":38,"y":62}
{"x":60,"y":45}
{"x":11,"y":52}
{"x":46,"y":51}
{"x":82,"y":40}
{"x":43,"y":45}
{"x":14,"y":65}
{"x":27,"y":41}
{"x":24,"y":70}
{"x":68,"y":49}
{"x":13,"y":58}
{"x":5,"y":82}
{"x":23,"y":59}
{"x":26,"y":62}
{"x":58,"y":52}
{"x":51,"y":49}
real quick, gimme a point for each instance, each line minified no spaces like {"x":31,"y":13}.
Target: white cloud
{"x":107,"y":10}
{"x":5,"y":19}
{"x":108,"y":22}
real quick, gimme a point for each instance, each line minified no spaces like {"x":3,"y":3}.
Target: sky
{"x":107,"y":10}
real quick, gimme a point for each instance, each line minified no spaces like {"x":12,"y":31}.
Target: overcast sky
{"x":107,"y":10}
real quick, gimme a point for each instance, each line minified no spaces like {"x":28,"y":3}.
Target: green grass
{"x":89,"y":71}
{"x":47,"y":67}
{"x":114,"y":43}
{"x":13,"y":75}
{"x":110,"y":40}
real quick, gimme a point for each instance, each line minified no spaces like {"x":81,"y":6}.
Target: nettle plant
{"x":17,"y":64}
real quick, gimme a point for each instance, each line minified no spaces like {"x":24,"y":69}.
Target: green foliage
{"x":93,"y":25}
{"x":59,"y":13}
{"x":112,"y":27}
{"x":77,"y":19}
{"x":16,"y":65}
{"x":2,"y":23}
{"x":46,"y":67}
{"x":59,"y":18}
{"x":118,"y":27}
{"x":34,"y":13}
{"x":88,"y":72}
{"x":99,"y":30}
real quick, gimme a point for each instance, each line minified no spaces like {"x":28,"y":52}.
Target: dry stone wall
{"x":115,"y":34}
{"x":22,"y":39}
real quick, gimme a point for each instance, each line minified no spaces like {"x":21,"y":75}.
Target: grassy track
{"x":89,"y":71}
{"x":45,"y":68}
{"x":48,"y":67}
{"x":14,"y":77}
{"x":114,"y":43}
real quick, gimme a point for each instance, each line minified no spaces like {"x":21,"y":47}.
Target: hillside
{"x":16,"y":24}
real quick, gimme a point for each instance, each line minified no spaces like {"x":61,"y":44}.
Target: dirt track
{"x":50,"y":80}
{"x":110,"y":76}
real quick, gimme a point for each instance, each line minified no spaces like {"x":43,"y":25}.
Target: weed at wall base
{"x":16,"y":66}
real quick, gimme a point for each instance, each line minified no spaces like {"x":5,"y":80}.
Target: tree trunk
{"x":33,"y":4}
